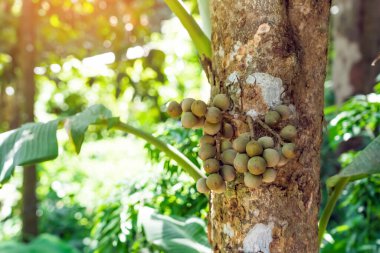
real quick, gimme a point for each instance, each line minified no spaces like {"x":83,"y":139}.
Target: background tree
{"x":356,"y":45}
{"x":24,"y":109}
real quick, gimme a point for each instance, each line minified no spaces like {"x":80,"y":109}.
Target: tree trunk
{"x":356,"y":44}
{"x":25,"y":91}
{"x":267,"y":53}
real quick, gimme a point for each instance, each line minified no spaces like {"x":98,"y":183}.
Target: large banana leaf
{"x":32,"y":143}
{"x":367,"y":162}
{"x":173,"y":235}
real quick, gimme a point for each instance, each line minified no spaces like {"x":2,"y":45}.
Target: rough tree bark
{"x":266,"y":53}
{"x":24,"y":109}
{"x":356,"y":43}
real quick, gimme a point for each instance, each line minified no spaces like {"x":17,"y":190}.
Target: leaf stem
{"x":201,"y":41}
{"x":204,"y":11}
{"x":169,"y":150}
{"x":331,"y":202}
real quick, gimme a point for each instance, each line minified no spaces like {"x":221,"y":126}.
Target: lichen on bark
{"x":264,"y":51}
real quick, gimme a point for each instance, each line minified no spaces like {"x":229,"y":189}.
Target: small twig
{"x":218,"y":148}
{"x":241,"y":95}
{"x":266,"y":127}
{"x":375,"y":60}
{"x":250,"y":124}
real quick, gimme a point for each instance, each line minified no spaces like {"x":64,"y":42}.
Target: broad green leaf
{"x":29,"y":144}
{"x":45,"y":243}
{"x":37,"y":142}
{"x":77,"y":125}
{"x":173,"y":235}
{"x":13,"y":247}
{"x":367,"y":162}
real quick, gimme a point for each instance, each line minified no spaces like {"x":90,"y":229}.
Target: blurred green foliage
{"x":355,"y":224}
{"x":126,"y":55}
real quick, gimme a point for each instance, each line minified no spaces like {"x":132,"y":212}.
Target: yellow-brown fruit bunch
{"x":202,"y":186}
{"x":207,"y":151}
{"x":174,"y":109}
{"x":215,"y":182}
{"x":284,"y":111}
{"x":241,"y":162}
{"x":221,"y":101}
{"x":272,"y":118}
{"x":288,"y":133}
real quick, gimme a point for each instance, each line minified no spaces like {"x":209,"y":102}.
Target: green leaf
{"x":45,"y":243}
{"x":367,"y":162}
{"x":29,"y":144}
{"x":13,"y":247}
{"x":173,"y":235}
{"x":77,"y":125}
{"x":204,"y":11}
{"x":37,"y":142}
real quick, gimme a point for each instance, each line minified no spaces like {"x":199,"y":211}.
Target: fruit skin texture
{"x":206,"y":151}
{"x":213,"y":115}
{"x":257,"y":165}
{"x":211,"y":165}
{"x":253,"y":148}
{"x":241,"y":163}
{"x":284,"y":111}
{"x":289,"y":150}
{"x":266,"y":142}
{"x":174,"y":109}
{"x":211,"y":128}
{"x":225,"y":144}
{"x":269,"y":175}
{"x":228,"y":156}
{"x":288,"y":133}
{"x":186,"y":104}
{"x":199,"y":124}
{"x":283,"y":161}
{"x":228,"y":173}
{"x":252,"y":181}
{"x":221,"y":189}
{"x":202,"y":186}
{"x":240,"y":143}
{"x":272,"y":118}
{"x":227,"y":131}
{"x":188,"y":120}
{"x":271,"y":156}
{"x":221,"y":101}
{"x":214,"y":181}
{"x":206,"y":139}
{"x":199,"y":108}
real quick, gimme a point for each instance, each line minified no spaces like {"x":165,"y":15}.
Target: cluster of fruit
{"x":223,"y":157}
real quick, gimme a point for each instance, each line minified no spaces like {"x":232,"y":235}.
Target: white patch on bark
{"x":256,"y":213}
{"x":253,"y":114}
{"x":258,"y":239}
{"x":221,"y":51}
{"x":235,"y":50}
{"x":232,"y":78}
{"x":271,"y":87}
{"x":248,"y":59}
{"x":227,"y":229}
{"x":263,"y":28}
{"x":250,"y":79}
